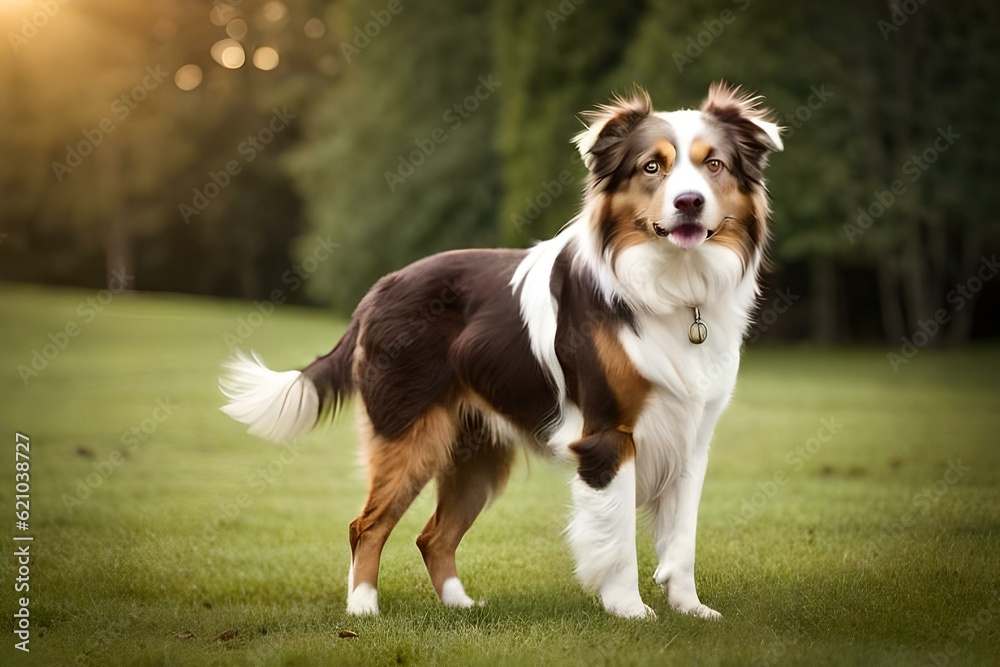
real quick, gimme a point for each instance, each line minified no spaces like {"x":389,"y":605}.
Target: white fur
{"x":538,"y":307}
{"x":675,"y":516}
{"x":501,"y":430}
{"x":601,"y":535}
{"x":691,"y":384}
{"x":453,"y":594}
{"x":771,"y":136}
{"x":363,"y":601}
{"x":686,"y":176}
{"x":276,"y":406}
{"x":566,"y":431}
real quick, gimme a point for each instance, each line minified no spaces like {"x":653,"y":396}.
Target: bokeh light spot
{"x":188,"y":77}
{"x":233,"y":57}
{"x":229,"y":53}
{"x":221,"y":14}
{"x":237,"y":28}
{"x":314,"y":28}
{"x":274,"y":11}
{"x":265,"y":58}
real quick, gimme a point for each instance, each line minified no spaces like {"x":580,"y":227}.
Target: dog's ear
{"x":607,"y":126}
{"x":743,"y":114}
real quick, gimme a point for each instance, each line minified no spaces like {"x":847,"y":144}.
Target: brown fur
{"x":398,"y":470}
{"x":700,"y":150}
{"x":480,"y":468}
{"x":744,"y":149}
{"x":629,"y":387}
{"x":629,"y":200}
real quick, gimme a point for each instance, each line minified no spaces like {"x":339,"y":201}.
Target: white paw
{"x":630,"y":610}
{"x":699,"y":610}
{"x":453,"y":595}
{"x":362,"y":601}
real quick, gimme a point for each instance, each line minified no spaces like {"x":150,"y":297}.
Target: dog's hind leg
{"x":397,"y":469}
{"x":480,"y":468}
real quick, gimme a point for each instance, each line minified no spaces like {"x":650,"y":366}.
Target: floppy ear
{"x":730,"y":105}
{"x":609,"y":124}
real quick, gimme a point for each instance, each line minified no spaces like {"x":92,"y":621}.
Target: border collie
{"x":614,"y":345}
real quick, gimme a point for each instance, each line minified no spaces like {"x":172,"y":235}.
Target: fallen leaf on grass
{"x":347,"y":634}
{"x":229,"y":634}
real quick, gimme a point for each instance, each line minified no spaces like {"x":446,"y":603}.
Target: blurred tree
{"x":113,"y":154}
{"x":553,"y":73}
{"x":400,"y":160}
{"x":409,"y":128}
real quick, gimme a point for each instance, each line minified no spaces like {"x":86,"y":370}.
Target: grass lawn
{"x":851,"y":514}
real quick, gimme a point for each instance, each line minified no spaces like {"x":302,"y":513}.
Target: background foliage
{"x":863,"y":88}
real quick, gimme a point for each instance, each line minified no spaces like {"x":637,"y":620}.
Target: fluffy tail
{"x":280,"y":406}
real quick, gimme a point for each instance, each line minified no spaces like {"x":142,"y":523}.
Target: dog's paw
{"x":453,"y":595}
{"x":630,"y":610}
{"x":699,"y":610}
{"x":362,"y":601}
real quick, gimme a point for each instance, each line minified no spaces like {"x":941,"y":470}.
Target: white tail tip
{"x":276,"y":406}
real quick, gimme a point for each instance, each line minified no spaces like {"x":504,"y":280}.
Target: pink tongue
{"x":687,"y":235}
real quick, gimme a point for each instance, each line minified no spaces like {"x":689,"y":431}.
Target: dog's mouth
{"x":686,"y":235}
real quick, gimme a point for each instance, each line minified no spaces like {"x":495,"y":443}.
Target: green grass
{"x":821,"y":573}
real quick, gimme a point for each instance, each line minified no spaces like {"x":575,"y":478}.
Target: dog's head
{"x":683,"y":178}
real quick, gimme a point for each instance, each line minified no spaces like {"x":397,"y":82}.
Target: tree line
{"x":394,"y":129}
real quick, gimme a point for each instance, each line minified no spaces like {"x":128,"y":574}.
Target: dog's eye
{"x":714,"y":165}
{"x":651,"y":167}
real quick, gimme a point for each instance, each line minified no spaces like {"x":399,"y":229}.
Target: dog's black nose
{"x":689,"y":202}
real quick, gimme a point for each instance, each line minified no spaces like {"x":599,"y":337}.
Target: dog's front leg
{"x":676,"y":525}
{"x":602,"y":530}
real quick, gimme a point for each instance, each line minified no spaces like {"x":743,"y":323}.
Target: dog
{"x":615,"y":345}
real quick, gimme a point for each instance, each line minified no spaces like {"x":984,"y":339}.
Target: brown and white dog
{"x":586,"y":346}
